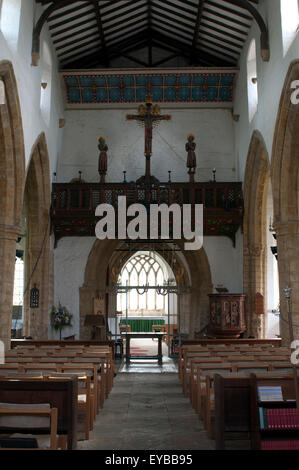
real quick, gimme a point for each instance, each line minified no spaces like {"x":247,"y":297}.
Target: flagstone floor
{"x":147,"y":411}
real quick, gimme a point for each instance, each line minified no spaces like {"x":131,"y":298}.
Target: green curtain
{"x":142,"y":325}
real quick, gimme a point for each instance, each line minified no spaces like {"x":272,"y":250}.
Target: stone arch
{"x":104,"y":265}
{"x":256,"y":179}
{"x":285,"y":182}
{"x":38,"y":258}
{"x":12,"y":174}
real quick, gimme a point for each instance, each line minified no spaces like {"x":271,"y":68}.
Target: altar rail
{"x":73,"y":204}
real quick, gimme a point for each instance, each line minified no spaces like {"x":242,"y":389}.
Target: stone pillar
{"x":254,"y":282}
{"x":288,"y":267}
{"x":8,"y":238}
{"x":38,"y":319}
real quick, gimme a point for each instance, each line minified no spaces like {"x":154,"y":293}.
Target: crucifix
{"x":148,"y":116}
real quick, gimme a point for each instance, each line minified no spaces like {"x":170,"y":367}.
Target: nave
{"x":147,"y":411}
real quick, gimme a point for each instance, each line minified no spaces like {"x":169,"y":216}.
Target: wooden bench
{"x":235,"y":400}
{"x":9,"y":425}
{"x":60,"y":394}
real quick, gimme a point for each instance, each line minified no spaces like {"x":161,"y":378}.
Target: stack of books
{"x":280,"y":445}
{"x":278,"y":418}
{"x":270,"y":393}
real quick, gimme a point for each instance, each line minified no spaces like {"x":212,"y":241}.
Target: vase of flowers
{"x":60,"y":317}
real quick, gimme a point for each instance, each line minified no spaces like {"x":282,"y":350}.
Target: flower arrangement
{"x":60,"y":317}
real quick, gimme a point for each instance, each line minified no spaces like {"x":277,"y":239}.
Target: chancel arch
{"x":191,"y":271}
{"x":12,"y":174}
{"x":285,"y":181}
{"x":38,"y":260}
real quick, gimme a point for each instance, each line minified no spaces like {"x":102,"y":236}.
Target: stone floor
{"x":147,"y":411}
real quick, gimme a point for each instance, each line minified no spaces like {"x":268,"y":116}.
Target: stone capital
{"x":254,"y":250}
{"x":286,"y":227}
{"x":9,"y":232}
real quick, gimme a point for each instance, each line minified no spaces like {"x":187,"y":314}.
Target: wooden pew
{"x":60,"y":394}
{"x":62,"y":343}
{"x":9,"y":426}
{"x":235,"y":400}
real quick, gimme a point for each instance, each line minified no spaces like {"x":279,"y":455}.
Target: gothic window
{"x":289,"y":10}
{"x":140,"y":270}
{"x":10,"y":21}
{"x":252,"y":81}
{"x":46,"y":83}
{"x":18,"y":282}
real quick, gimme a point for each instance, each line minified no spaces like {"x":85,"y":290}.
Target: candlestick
{"x":214,"y":175}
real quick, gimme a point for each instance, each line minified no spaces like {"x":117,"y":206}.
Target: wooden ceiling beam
{"x":264,"y":39}
{"x":228,"y":49}
{"x":173,"y":12}
{"x":35,"y":52}
{"x":228,"y":18}
{"x":220,"y":39}
{"x":65,"y":37}
{"x":120,"y":22}
{"x":120,"y":45}
{"x":175,"y":27}
{"x":101,"y":31}
{"x":198,"y":53}
{"x":73,"y":18}
{"x":220,"y":23}
{"x":122,"y":9}
{"x":125,"y":35}
{"x":77,"y":41}
{"x":136,"y":42}
{"x":176,"y":34}
{"x":197,"y":27}
{"x":224,"y":33}
{"x":177,"y":6}
{"x":69,"y":11}
{"x":126,"y":26}
{"x":168,"y":18}
{"x":228,"y":10}
{"x":167,"y":47}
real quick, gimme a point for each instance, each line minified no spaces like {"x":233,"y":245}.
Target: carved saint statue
{"x":191,"y":158}
{"x":102,"y":146}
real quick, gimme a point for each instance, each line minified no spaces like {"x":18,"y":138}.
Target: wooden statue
{"x":102,"y":146}
{"x":191,"y":158}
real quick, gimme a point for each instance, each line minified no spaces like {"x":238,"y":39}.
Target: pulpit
{"x":227,"y":315}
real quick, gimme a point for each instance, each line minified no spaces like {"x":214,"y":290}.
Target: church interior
{"x":119,"y":122}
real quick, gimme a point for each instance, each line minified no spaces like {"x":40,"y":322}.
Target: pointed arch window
{"x":289,"y":11}
{"x":10,"y":21}
{"x":46,"y":83}
{"x":140,"y":270}
{"x":252,"y":81}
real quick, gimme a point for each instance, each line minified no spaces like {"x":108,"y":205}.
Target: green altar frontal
{"x":142,"y":325}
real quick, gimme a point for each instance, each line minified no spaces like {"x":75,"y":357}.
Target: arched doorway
{"x":147,"y":297}
{"x":12,"y":171}
{"x":191,"y":269}
{"x":37,"y":256}
{"x":259,"y":264}
{"x":285,"y":181}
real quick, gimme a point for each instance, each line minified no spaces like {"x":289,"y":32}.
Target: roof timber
{"x":207,"y":32}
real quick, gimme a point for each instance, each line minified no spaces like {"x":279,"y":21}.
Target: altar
{"x":128,"y":336}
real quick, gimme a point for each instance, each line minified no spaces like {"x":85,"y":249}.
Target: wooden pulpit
{"x":227,"y":315}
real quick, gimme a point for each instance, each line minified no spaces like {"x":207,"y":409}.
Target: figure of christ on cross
{"x":148,"y":115}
